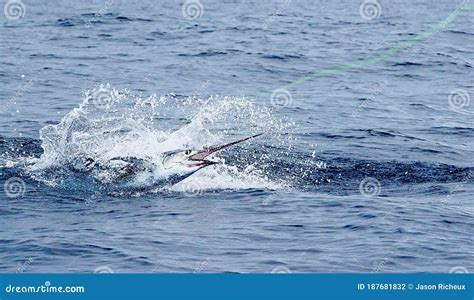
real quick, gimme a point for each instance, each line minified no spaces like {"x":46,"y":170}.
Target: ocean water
{"x":365,"y":164}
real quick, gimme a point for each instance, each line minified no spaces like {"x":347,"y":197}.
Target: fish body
{"x":137,"y":174}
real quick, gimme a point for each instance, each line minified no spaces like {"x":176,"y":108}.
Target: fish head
{"x":182,"y":161}
{"x":189,"y":161}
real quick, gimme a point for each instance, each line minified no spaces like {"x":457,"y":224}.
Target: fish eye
{"x":187,"y":152}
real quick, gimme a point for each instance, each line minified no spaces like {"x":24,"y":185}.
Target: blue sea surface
{"x":366,"y":164}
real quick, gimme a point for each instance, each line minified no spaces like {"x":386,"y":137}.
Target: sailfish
{"x":132,"y":173}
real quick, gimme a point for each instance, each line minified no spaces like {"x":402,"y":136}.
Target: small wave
{"x":406,"y":63}
{"x":366,"y":133}
{"x":204,"y":54}
{"x":96,"y":19}
{"x":280,"y":57}
{"x":455,"y":130}
{"x":461,"y":32}
{"x":422,"y":106}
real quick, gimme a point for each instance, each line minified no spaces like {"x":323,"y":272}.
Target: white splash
{"x":117,"y":123}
